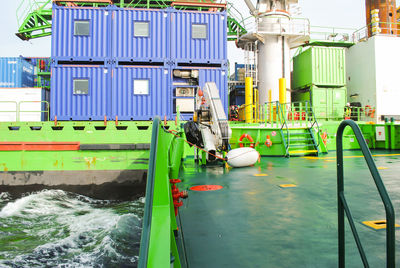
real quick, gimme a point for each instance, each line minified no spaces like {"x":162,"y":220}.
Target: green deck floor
{"x":252,"y":222}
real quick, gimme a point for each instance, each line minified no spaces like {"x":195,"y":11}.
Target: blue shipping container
{"x":80,"y":92}
{"x":16,"y":72}
{"x":141,"y":93}
{"x":216,"y":75}
{"x":140,"y":35}
{"x":199,"y":37}
{"x":220,"y":77}
{"x":80,"y":34}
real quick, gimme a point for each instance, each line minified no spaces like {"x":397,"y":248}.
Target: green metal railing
{"x":310,"y":111}
{"x":275,"y":115}
{"x":343,"y":208}
{"x":158,"y":245}
{"x":46,"y":111}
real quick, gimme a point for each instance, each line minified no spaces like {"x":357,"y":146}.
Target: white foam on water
{"x":5,"y":196}
{"x":78,"y":232}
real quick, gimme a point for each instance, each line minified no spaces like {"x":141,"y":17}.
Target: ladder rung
{"x":301,"y":145}
{"x":309,"y":139}
{"x":303,"y":151}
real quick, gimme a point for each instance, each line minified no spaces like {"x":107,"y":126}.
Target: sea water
{"x":53,"y":228}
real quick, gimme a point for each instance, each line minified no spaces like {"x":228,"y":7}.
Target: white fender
{"x":242,"y":157}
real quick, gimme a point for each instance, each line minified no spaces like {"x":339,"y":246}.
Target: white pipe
{"x":250,"y":5}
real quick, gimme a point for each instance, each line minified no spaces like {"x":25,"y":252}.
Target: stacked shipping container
{"x":119,"y":63}
{"x":42,"y":70}
{"x":19,"y":100}
{"x":319,"y":77}
{"x":16,"y":72}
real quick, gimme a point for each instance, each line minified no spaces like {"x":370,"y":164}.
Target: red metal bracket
{"x":39,"y":146}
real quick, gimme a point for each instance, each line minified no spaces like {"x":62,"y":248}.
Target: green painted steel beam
{"x":37,"y":17}
{"x":158,"y":244}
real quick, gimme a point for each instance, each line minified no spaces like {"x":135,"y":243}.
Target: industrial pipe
{"x":248,"y":92}
{"x":250,"y":5}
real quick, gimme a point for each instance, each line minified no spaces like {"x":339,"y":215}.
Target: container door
{"x":81,"y":34}
{"x":320,"y":102}
{"x":140,"y":93}
{"x":220,"y":77}
{"x":80,"y":93}
{"x":138,"y":35}
{"x":338,"y":102}
{"x":198,"y":37}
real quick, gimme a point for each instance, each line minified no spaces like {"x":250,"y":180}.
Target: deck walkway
{"x":252,"y":222}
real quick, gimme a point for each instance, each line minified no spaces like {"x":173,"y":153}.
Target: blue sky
{"x":339,"y":13}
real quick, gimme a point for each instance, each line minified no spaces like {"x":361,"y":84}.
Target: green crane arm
{"x":34,"y":16}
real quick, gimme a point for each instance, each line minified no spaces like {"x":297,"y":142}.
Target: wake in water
{"x":55,"y":228}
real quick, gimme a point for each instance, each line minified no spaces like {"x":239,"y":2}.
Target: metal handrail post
{"x":344,"y":209}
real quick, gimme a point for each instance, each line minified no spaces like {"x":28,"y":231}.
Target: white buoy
{"x":242,"y":157}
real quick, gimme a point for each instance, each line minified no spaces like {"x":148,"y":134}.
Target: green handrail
{"x":282,"y":117}
{"x":158,"y":245}
{"x":344,"y":208}
{"x":146,"y":227}
{"x":46,"y":111}
{"x":309,"y":108}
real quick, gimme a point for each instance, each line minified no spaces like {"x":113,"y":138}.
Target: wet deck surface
{"x":252,"y":222}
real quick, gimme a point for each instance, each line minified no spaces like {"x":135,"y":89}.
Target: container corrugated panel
{"x":43,"y":64}
{"x":69,"y":105}
{"x":16,"y":72}
{"x":141,"y":93}
{"x":321,"y":66}
{"x":220,"y":77}
{"x":328,"y":103}
{"x":30,"y":102}
{"x":72,"y":44}
{"x":150,"y":45}
{"x":198,"y":37}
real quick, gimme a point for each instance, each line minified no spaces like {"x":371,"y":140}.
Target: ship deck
{"x":253,"y":222}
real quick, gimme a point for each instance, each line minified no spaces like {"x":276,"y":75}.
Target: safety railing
{"x":284,"y":26}
{"x":274,"y":116}
{"x":343,"y":208}
{"x":6,"y":108}
{"x":245,"y":23}
{"x":158,"y":246}
{"x":14,"y":115}
{"x":355,"y":113}
{"x":333,"y":34}
{"x":28,"y":6}
{"x":378,"y":28}
{"x":314,"y":123}
{"x":46,"y":110}
{"x":281,"y":112}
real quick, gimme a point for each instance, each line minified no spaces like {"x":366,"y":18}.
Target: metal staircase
{"x":34,"y":16}
{"x":302,"y":136}
{"x":302,"y":142}
{"x":34,"y":19}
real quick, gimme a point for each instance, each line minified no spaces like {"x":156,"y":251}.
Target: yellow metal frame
{"x":287,"y":185}
{"x":377,"y":225}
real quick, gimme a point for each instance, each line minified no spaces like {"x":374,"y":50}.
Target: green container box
{"x":320,"y":66}
{"x":327,"y":103}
